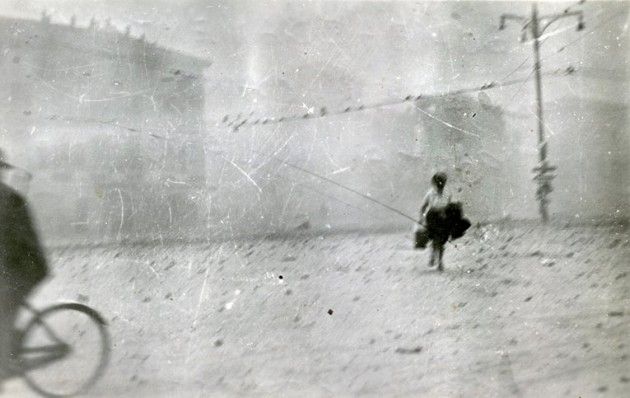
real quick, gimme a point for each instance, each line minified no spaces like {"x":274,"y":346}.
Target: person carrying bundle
{"x":440,"y":220}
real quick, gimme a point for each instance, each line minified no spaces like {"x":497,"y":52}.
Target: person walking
{"x":433,"y":217}
{"x":22,"y":265}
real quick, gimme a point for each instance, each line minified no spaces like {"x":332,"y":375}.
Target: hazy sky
{"x":278,"y":58}
{"x":262,"y":49}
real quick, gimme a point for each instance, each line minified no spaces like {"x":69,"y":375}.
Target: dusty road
{"x":523,"y":312}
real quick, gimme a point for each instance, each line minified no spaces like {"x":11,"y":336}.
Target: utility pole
{"x":537,"y":24}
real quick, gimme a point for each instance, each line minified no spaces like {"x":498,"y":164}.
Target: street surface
{"x":521,"y":310}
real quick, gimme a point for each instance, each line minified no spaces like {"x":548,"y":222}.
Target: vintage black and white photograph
{"x":313,"y":199}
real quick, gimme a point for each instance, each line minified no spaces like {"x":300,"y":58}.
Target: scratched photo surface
{"x":236,"y":188}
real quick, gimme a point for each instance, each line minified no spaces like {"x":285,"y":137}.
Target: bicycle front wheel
{"x":64,"y":350}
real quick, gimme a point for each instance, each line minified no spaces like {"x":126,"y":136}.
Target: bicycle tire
{"x":105,"y":346}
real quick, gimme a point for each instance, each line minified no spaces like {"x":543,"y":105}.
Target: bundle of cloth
{"x":442,"y":224}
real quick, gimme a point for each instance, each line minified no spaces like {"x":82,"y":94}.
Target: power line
{"x":562,"y":48}
{"x":324,"y":178}
{"x":347,"y":110}
{"x":516,"y":69}
{"x":237,"y":123}
{"x":303,"y":186}
{"x":582,"y":36}
{"x":537,"y":25}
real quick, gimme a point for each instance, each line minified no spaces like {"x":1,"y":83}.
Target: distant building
{"x":109,"y":125}
{"x":467,"y":138}
{"x":589,"y":141}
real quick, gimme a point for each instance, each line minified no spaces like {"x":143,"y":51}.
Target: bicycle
{"x":53,"y":337}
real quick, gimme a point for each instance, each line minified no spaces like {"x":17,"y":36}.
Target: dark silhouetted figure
{"x":22,"y":265}
{"x":441,"y":218}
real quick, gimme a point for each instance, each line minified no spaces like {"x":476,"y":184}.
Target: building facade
{"x":466,"y":137}
{"x":110,"y":126}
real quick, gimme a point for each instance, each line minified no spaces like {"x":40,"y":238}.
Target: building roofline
{"x":108,"y":27}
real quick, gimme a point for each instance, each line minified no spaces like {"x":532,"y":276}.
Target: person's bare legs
{"x":440,"y":255}
{"x":435,"y":253}
{"x":432,"y":256}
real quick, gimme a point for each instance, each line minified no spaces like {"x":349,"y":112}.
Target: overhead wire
{"x":237,"y":123}
{"x":562,"y":48}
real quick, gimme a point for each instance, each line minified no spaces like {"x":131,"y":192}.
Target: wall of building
{"x":104,"y":122}
{"x":589,"y":142}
